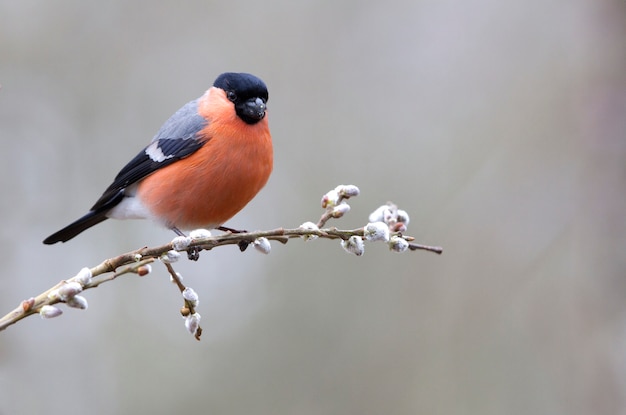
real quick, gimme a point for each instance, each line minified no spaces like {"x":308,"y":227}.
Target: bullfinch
{"x":202,"y":167}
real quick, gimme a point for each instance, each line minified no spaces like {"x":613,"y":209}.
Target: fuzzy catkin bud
{"x":178,"y":275}
{"x":340,"y":210}
{"x":379,"y":214}
{"x":192,"y":322}
{"x":309,"y":226}
{"x":402,"y":217}
{"x":78,"y":301}
{"x":376,"y":231}
{"x":347,"y":190}
{"x":354,"y":245}
{"x":180,"y":243}
{"x":68,"y":290}
{"x":83,"y":277}
{"x":262,"y":245}
{"x":330,"y":199}
{"x":398,"y":244}
{"x":170,"y":256}
{"x":50,"y":311}
{"x":200,"y":234}
{"x":191,"y":296}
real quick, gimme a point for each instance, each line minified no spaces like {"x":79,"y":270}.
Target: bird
{"x":204,"y":164}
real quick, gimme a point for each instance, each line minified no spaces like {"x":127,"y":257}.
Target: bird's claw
{"x":194,"y":253}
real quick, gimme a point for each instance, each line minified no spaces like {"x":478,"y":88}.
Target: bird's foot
{"x":193,"y":254}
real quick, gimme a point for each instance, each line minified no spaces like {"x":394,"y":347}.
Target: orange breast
{"x":217,"y":181}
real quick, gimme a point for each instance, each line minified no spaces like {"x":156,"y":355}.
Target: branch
{"x":387,"y":224}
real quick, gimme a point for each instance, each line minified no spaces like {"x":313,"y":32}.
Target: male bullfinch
{"x":202,"y":167}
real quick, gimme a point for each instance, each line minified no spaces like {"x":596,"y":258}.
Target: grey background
{"x":498,"y":125}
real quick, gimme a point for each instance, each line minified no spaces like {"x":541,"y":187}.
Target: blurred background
{"x":499,"y":126}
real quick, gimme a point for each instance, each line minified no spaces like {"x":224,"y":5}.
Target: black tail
{"x":90,"y":219}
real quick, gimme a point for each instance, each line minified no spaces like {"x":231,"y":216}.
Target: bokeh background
{"x":500,"y":126}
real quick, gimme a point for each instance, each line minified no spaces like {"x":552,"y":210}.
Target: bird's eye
{"x":231,"y":96}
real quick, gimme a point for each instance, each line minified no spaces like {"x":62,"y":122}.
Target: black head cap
{"x":247,"y":92}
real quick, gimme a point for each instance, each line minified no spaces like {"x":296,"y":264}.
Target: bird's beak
{"x":254,"y":108}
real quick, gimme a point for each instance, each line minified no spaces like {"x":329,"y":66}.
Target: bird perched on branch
{"x":202,"y":167}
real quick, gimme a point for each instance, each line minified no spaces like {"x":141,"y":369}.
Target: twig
{"x":387,"y":223}
{"x":190,"y":306}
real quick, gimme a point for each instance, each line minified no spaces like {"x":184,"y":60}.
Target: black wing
{"x":177,"y":139}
